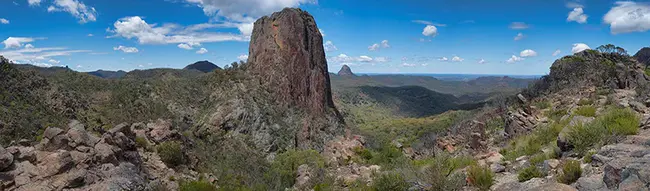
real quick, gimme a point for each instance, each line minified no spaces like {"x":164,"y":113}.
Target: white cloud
{"x":17,"y":42}
{"x":428,"y":23}
{"x":28,"y":46}
{"x":202,"y":51}
{"x":243,"y":57}
{"x":579,"y":47}
{"x":329,"y":46}
{"x":514,"y":59}
{"x":528,"y":53}
{"x":54,"y":61}
{"x":126,"y":49}
{"x":90,"y":35}
{"x":189,"y":45}
{"x":377,"y":46}
{"x":628,"y":16}
{"x":384,"y":44}
{"x":482,"y":61}
{"x":457,"y":59}
{"x":243,"y":10}
{"x":322,"y":32}
{"x":4,"y":21}
{"x":557,"y":52}
{"x":245,"y":29}
{"x":518,"y":25}
{"x":76,"y":8}
{"x":519,"y":36}
{"x":137,"y":28}
{"x":430,"y":30}
{"x":444,"y":59}
{"x":34,"y":2}
{"x":573,"y":5}
{"x":407,"y":64}
{"x":374,"y":47}
{"x":37,"y":55}
{"x":343,"y":58}
{"x":577,"y":15}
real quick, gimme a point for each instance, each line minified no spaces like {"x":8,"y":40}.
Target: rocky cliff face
{"x":287,"y":55}
{"x":345,"y":71}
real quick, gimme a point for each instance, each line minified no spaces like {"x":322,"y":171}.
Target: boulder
{"x":52,"y":132}
{"x":79,"y":136}
{"x":591,"y":183}
{"x":6,"y":158}
{"x":552,"y":187}
{"x":55,"y":163}
{"x":160,"y":130}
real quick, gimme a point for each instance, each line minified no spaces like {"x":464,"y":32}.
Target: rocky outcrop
{"x":643,"y":56}
{"x":287,"y":56}
{"x":345,"y":71}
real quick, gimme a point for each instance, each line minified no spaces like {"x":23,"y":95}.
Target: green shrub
{"x":529,"y":173}
{"x":647,"y":71}
{"x":614,"y":123}
{"x":285,"y":166}
{"x":141,"y":142}
{"x":585,"y":101}
{"x":543,"y":104}
{"x":571,"y":172}
{"x":534,"y":142}
{"x":538,"y":159}
{"x":480,"y":177}
{"x":587,"y":111}
{"x":363,"y":153}
{"x":171,"y":153}
{"x":587,"y":158}
{"x":390,"y":181}
{"x":557,"y":114}
{"x":199,"y":185}
{"x":388,"y":156}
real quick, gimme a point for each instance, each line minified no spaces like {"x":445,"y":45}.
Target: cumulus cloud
{"x":628,"y":16}
{"x":557,"y":52}
{"x":519,"y":36}
{"x":528,"y":53}
{"x":430,"y":30}
{"x":407,"y":64}
{"x":514,"y":59}
{"x":377,"y":46}
{"x":76,"y":8}
{"x":444,"y":59}
{"x":189,"y":45}
{"x":243,"y":57}
{"x":4,"y":21}
{"x":17,"y":42}
{"x":482,"y":61}
{"x":579,"y":47}
{"x":28,"y":46}
{"x":345,"y":59}
{"x":457,"y":59}
{"x":34,"y":2}
{"x":577,"y":15}
{"x":90,"y":35}
{"x":329,"y":46}
{"x":202,"y":51}
{"x":244,"y":10}
{"x":518,"y":25}
{"x":126,"y":49}
{"x":54,"y":61}
{"x":137,"y":28}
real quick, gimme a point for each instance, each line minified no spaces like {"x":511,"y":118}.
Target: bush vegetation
{"x":390,"y":181}
{"x":198,"y":185}
{"x":587,"y":111}
{"x":571,"y":172}
{"x":533,"y":143}
{"x":171,"y":153}
{"x":480,"y":177}
{"x":542,"y":104}
{"x":605,"y":129}
{"x":529,"y":173}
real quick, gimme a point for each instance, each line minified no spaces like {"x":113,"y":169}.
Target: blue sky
{"x":372,"y":36}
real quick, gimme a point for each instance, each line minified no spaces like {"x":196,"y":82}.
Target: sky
{"x":516,"y":37}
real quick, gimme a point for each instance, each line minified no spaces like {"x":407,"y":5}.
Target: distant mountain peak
{"x":203,"y":66}
{"x":643,"y":56}
{"x":346,"y":71}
